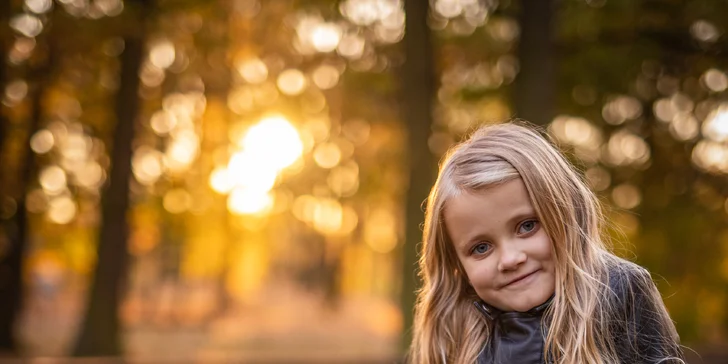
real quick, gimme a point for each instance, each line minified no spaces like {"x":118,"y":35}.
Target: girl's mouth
{"x":521,"y":279}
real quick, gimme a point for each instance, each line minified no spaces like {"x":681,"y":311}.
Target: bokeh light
{"x":75,"y":146}
{"x":39,"y":6}
{"x":274,"y":140}
{"x":325,"y":37}
{"x":53,"y":180}
{"x":621,"y":109}
{"x":504,"y":30}
{"x":352,"y":46}
{"x":147,"y":165}
{"x":704,"y":31}
{"x":221,"y":181}
{"x":685,"y":127}
{"x":291,"y":82}
{"x":181,"y":151}
{"x":574,"y":130}
{"x":327,"y":155}
{"x":325,"y":77}
{"x":626,"y":196}
{"x":266,"y":149}
{"x":625,"y":148}
{"x":349,"y":220}
{"x":42,"y":141}
{"x":448,"y":8}
{"x":21,"y":50}
{"x":177,"y":201}
{"x":163,"y":122}
{"x":253,"y":70}
{"x":249,"y":170}
{"x":366,"y":12}
{"x":303,"y":207}
{"x":328,"y":216}
{"x":61,"y":210}
{"x":27,"y":25}
{"x":711,"y":156}
{"x":109,"y":7}
{"x":90,"y":176}
{"x":245,"y":201}
{"x":715,"y":80}
{"x":162,"y":54}
{"x":151,"y":75}
{"x":579,"y":133}
{"x":385,"y":34}
{"x":15,"y":92}
{"x":344,"y":179}
{"x":715,"y":126}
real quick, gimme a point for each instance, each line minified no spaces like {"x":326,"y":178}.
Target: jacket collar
{"x":492,"y":313}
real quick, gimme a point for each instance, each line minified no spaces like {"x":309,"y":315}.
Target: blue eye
{"x":527,"y":226}
{"x":481,"y":248}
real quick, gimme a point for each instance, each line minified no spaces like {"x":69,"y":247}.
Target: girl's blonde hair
{"x":447,"y":326}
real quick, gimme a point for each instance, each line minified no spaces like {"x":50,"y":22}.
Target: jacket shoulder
{"x":625,"y":277}
{"x":641,"y":326}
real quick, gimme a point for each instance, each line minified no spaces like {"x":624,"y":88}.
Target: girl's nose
{"x":511,"y":258}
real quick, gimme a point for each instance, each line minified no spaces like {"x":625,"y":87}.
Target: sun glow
{"x":266,"y":149}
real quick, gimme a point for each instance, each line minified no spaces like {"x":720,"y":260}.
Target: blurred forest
{"x":243,"y":179}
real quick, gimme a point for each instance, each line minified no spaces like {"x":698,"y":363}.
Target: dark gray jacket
{"x":639,"y":334}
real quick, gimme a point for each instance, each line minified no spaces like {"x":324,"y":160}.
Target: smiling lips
{"x":519,"y":279}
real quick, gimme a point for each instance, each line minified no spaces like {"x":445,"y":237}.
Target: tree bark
{"x":9,"y":283}
{"x":417,"y":92}
{"x":100,"y":332}
{"x":535,"y":89}
{"x":16,"y":227}
{"x":5,"y":44}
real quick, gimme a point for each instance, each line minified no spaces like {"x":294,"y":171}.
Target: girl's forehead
{"x":490,"y":207}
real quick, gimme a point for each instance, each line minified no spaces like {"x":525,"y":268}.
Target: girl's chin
{"x":519,"y":304}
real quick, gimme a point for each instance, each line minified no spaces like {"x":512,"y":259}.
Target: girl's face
{"x":502,"y":246}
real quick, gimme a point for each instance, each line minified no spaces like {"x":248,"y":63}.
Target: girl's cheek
{"x":483,"y":276}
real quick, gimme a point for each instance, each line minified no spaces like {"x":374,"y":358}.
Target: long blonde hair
{"x":447,"y":326}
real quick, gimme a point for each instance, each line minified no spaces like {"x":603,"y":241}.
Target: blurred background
{"x":242,"y":180}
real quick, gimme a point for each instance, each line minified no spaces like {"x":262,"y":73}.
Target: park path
{"x":180,"y":324}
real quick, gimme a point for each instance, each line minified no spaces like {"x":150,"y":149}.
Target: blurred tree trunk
{"x":16,"y":227}
{"x":99,"y":334}
{"x":11,"y":242}
{"x":417,"y":92}
{"x":219,"y":82}
{"x":9,"y":289}
{"x":6,"y":41}
{"x":535,"y":89}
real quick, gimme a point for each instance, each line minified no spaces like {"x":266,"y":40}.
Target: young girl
{"x":515,"y":270}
